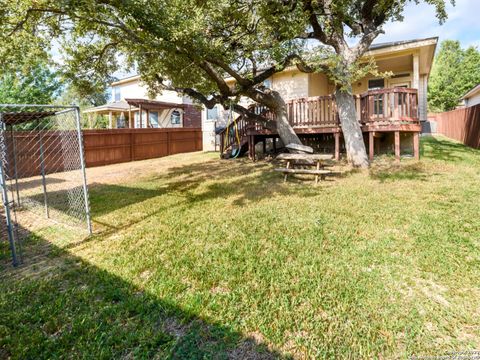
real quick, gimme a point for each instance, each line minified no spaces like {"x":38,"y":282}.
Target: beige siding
{"x":318,"y":85}
{"x":291,"y":84}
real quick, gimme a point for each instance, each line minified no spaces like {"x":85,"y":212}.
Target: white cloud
{"x":420,"y":22}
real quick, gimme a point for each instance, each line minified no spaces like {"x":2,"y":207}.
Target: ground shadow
{"x":57,"y":305}
{"x":398,"y":172}
{"x":444,"y":149}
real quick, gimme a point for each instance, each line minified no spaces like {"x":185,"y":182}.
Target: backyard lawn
{"x":199,"y":258}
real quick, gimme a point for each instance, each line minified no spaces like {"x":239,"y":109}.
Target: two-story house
{"x":132,"y":108}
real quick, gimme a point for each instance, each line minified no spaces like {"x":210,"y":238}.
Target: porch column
{"x":110,"y":120}
{"x":131,"y":123}
{"x":140,"y":114}
{"x":397,"y":146}
{"x":416,"y":145}
{"x":416,"y":71}
{"x":371,"y":144}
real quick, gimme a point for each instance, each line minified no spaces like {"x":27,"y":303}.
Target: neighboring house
{"x":398,"y":100}
{"x":472,"y":97}
{"x":132,"y":108}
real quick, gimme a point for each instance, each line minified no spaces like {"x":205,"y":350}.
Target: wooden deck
{"x":392,"y":110}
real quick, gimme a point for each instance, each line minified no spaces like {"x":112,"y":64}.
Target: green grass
{"x":219,"y":259}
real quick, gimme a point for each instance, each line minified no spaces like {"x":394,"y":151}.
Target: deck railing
{"x":374,"y":106}
{"x":389,"y":105}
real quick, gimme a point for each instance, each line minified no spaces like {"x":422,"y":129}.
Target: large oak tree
{"x":192,"y":46}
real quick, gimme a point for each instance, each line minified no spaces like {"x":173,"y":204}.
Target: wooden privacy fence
{"x":104,"y":147}
{"x":461,"y":124}
{"x":101,"y":147}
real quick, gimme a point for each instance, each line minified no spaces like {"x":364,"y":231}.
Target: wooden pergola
{"x":130,"y":106}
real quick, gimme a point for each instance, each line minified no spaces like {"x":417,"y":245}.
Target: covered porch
{"x":138,"y":114}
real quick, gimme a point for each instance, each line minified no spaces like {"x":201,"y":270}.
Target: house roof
{"x":471,"y":92}
{"x":400,"y":43}
{"x":374,"y":48}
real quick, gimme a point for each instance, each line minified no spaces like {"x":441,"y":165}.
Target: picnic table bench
{"x":296,"y":165}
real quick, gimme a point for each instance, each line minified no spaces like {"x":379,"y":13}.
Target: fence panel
{"x":461,"y":124}
{"x":114,"y":146}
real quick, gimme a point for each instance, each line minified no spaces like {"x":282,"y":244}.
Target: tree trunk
{"x":284,"y":129}
{"x":352,"y":132}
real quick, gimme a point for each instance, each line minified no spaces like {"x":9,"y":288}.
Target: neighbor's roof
{"x":472,"y":92}
{"x":115,"y":106}
{"x":153,"y":104}
{"x":126,"y":80}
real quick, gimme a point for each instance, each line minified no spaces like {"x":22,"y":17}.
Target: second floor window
{"x":117,"y":94}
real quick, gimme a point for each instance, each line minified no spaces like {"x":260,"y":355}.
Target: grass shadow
{"x":398,"y":172}
{"x":440,"y":148}
{"x":57,"y":305}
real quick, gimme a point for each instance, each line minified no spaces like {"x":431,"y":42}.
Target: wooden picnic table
{"x":294,"y":161}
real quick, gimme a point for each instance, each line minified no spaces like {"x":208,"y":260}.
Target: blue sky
{"x":463,"y":24}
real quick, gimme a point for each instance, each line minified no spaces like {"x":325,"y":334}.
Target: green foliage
{"x":455,"y":71}
{"x":39,"y":85}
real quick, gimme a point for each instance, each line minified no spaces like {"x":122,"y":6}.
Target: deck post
{"x":371,"y":145}
{"x":264,"y":143}
{"x":254,"y":155}
{"x":397,"y":146}
{"x":337,"y":146}
{"x":416,"y":145}
{"x":274,"y":140}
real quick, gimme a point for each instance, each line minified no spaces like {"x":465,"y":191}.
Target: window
{"x":212,"y":114}
{"x":154,"y":119}
{"x":175,"y":117}
{"x":121,"y":121}
{"x":267,"y":83}
{"x":376,"y":84}
{"x":136,"y":117}
{"x":117,"y":94}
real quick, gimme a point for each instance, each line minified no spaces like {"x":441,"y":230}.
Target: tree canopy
{"x":192,"y":46}
{"x":37,"y":85}
{"x":455,"y":71}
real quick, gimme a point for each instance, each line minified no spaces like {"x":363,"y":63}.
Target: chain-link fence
{"x":42,"y":172}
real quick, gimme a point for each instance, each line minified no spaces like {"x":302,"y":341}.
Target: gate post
{"x":3,"y":185}
{"x":82,"y":163}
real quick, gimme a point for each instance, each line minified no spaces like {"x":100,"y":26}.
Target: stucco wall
{"x":291,"y":84}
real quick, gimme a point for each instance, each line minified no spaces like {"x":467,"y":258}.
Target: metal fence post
{"x":84,"y":174}
{"x":3,"y":185}
{"x":44,"y":181}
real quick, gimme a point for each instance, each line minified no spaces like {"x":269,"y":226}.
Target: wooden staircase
{"x":229,"y":140}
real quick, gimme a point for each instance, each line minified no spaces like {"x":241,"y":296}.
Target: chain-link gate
{"x":42,"y":172}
